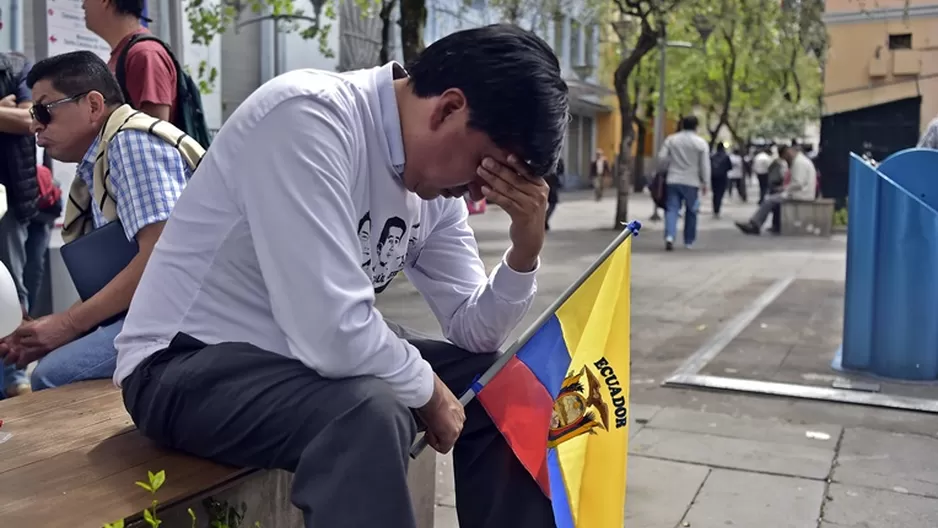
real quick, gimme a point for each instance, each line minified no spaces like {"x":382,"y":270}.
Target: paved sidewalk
{"x":714,"y":459}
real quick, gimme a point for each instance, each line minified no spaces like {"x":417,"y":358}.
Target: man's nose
{"x":35,"y":127}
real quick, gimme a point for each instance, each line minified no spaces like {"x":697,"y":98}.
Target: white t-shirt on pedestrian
{"x":761,"y":163}
{"x":736,"y":171}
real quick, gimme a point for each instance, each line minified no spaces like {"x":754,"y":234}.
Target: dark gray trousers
{"x":346,"y":441}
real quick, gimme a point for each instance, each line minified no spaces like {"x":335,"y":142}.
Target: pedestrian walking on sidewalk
{"x":720,"y":166}
{"x":686,"y":157}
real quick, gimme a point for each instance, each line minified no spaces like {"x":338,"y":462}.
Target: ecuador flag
{"x":562,"y":399}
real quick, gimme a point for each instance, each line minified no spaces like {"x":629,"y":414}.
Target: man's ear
{"x":449,"y":103}
{"x":97,"y":103}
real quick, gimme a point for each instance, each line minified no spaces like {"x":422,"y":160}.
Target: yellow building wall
{"x":862,"y":71}
{"x":609,"y":132}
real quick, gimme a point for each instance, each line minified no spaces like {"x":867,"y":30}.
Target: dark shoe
{"x":668,"y":245}
{"x":748,"y":228}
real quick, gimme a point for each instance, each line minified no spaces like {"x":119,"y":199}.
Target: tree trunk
{"x":646,"y":42}
{"x":387,"y":8}
{"x":413,"y":20}
{"x":640,"y":149}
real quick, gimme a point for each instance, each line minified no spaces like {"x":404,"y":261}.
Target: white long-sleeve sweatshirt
{"x":295,"y":220}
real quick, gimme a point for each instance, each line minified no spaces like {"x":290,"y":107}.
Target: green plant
{"x":156,"y":481}
{"x":840,"y":216}
{"x":221,"y":514}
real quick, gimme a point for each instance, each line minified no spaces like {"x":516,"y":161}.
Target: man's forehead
{"x":43,"y":91}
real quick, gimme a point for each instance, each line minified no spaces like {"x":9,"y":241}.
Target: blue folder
{"x":95,"y":258}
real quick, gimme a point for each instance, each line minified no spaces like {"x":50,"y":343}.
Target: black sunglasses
{"x":41,"y":112}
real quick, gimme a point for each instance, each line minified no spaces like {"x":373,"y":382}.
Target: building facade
{"x":880,"y":82}
{"x":880,"y":54}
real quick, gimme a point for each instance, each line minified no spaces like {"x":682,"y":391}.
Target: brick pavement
{"x":707,"y":459}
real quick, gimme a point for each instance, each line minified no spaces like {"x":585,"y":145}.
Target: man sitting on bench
{"x":801,"y":186}
{"x":131,"y":169}
{"x":253,"y":339}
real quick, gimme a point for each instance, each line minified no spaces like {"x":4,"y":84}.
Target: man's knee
{"x":376,"y":415}
{"x":48,"y":375}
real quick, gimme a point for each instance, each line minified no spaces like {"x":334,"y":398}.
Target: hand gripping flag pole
{"x":632,"y":228}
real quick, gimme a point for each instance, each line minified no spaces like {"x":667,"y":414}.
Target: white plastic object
{"x":11,"y":314}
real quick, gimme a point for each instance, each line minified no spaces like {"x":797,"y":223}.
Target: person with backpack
{"x":132,"y":169}
{"x":150,"y":76}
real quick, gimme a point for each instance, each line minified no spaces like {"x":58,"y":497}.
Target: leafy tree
{"x":637,"y":25}
{"x":759,"y":75}
{"x":209,"y":19}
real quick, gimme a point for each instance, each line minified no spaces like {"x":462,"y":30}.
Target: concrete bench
{"x":808,"y":217}
{"x":74,"y":455}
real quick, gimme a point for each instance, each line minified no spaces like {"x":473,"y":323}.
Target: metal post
{"x":662,"y":73}
{"x":16,"y":25}
{"x":176,"y":18}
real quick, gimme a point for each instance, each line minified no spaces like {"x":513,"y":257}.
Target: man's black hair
{"x":128,"y":7}
{"x":513,"y":86}
{"x":75,"y":73}
{"x":689,"y":123}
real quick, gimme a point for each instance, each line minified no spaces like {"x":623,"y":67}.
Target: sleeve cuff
{"x":422,"y":388}
{"x":514,"y":286}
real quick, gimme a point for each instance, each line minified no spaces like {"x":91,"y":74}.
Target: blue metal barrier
{"x":891,"y":290}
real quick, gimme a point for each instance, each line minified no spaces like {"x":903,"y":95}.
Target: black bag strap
{"x":120,"y":70}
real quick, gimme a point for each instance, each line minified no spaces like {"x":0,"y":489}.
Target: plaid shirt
{"x":147,"y":175}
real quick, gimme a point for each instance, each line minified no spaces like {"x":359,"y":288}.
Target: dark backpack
{"x":190,"y":115}
{"x":659,"y":189}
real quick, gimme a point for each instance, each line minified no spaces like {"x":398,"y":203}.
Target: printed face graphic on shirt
{"x":392,"y":250}
{"x":364,"y":238}
{"x":391,"y":237}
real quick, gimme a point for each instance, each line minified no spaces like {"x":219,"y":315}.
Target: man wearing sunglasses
{"x":77,"y":107}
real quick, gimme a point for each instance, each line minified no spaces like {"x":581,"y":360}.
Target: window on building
{"x":900,"y":41}
{"x":586,"y":144}
{"x":558,"y":34}
{"x":572,"y":163}
{"x":576,"y":43}
{"x":588,"y":45}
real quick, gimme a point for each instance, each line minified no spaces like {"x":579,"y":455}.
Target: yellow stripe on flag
{"x":595,"y":322}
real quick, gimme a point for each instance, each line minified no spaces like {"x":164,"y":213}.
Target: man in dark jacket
{"x":555,"y":182}
{"x":720,"y":165}
{"x":18,"y":176}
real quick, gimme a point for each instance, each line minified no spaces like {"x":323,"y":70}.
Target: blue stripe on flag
{"x":547,"y":356}
{"x":558,"y":492}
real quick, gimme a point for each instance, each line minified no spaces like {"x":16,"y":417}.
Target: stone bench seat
{"x":807,"y":217}
{"x":74,"y":457}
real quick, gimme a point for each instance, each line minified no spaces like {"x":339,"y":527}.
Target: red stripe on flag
{"x":521,"y":408}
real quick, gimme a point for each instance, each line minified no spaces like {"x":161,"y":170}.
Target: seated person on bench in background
{"x":801,"y":186}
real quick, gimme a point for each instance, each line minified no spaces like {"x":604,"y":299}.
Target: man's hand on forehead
{"x":511,"y":186}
